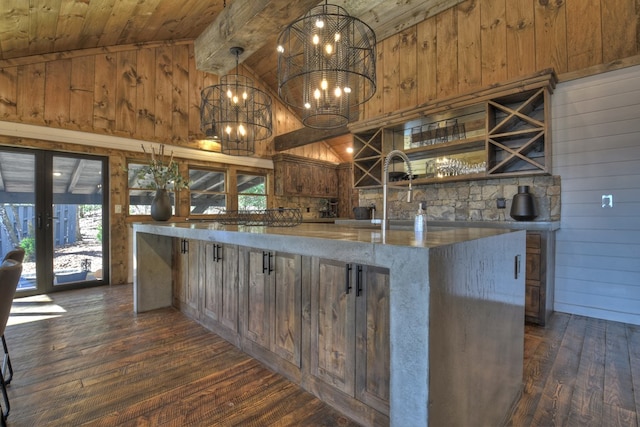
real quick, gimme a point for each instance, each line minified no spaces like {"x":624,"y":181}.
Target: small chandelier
{"x":235,"y":113}
{"x":327,"y":66}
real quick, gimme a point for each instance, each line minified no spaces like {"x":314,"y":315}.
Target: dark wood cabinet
{"x":300,"y":176}
{"x":350,"y":330}
{"x":539,"y":276}
{"x":271,"y":305}
{"x":186,"y":295}
{"x":219,"y":290}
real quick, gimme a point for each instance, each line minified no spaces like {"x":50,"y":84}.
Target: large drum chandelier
{"x":327,"y":66}
{"x":235,"y":113}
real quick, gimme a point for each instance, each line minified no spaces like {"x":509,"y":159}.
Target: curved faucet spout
{"x":385,"y":179}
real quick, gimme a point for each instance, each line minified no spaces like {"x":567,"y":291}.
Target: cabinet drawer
{"x":532,"y":301}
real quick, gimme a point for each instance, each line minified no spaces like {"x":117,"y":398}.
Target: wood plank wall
{"x":482,"y":42}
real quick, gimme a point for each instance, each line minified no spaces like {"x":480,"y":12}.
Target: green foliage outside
{"x":246,"y":201}
{"x":29,"y":246}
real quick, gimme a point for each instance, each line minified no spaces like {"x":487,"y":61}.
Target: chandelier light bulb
{"x":324,"y":85}
{"x":280,"y":49}
{"x":336,"y":37}
{"x":337,"y":92}
{"x":307,"y":105}
{"x":229,"y":93}
{"x":329,"y":49}
{"x":235,"y":99}
{"x":347,"y":89}
{"x":241,"y":130}
{"x":244,"y":95}
{"x":228,"y":130}
{"x":316,"y":39}
{"x":316,"y":94}
{"x":319,"y":23}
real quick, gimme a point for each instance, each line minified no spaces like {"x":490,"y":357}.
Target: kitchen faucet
{"x":385,"y":179}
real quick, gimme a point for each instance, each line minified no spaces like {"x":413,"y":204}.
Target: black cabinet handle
{"x":517,"y":266}
{"x":358,"y":280}
{"x":184,"y":246}
{"x":216,"y":253}
{"x":264,"y":262}
{"x":270,"y":263}
{"x":348,"y":278}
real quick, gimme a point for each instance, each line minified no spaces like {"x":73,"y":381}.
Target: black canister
{"x":523,"y":207}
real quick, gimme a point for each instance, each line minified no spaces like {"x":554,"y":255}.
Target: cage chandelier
{"x":326,"y":66}
{"x":235,"y":112}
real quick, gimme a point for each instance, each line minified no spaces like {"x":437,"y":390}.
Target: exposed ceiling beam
{"x":244,"y":23}
{"x":304,"y":136}
{"x":251,"y":24}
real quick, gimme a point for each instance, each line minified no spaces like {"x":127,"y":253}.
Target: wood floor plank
{"x":97,"y":363}
{"x":633,"y":342}
{"x":555,"y":402}
{"x":618,"y":388}
{"x":588,"y":395}
{"x":537,"y":370}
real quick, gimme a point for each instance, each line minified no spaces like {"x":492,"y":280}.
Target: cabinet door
{"x":220,"y":290}
{"x":292,"y":181}
{"x":286,"y":306}
{"x":189,"y":276}
{"x":256,"y":296}
{"x":372,"y":332}
{"x":332,"y":324}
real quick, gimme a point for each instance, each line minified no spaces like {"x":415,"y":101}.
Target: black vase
{"x":523,"y":207}
{"x":161,"y":206}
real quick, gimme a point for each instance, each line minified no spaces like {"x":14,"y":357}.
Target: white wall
{"x":596,"y":151}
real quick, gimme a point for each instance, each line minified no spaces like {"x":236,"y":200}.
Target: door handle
{"x":348,"y":278}
{"x":358,"y":280}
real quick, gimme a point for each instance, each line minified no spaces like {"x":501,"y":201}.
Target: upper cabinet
{"x":501,"y":131}
{"x":301,"y":176}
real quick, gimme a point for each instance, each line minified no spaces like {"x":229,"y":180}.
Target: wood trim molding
{"x":44,"y":133}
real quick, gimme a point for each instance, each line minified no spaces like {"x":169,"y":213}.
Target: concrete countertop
{"x":402,"y":224}
{"x":358,"y":233}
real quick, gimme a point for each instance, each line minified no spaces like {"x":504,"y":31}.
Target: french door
{"x":55,"y":206}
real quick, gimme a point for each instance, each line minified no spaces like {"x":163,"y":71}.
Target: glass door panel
{"x":18,"y":211}
{"x":77,"y":221}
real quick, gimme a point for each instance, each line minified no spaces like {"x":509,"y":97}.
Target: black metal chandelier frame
{"x":235,"y":112}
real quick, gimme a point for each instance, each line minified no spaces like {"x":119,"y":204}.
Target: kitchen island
{"x":441,"y":332}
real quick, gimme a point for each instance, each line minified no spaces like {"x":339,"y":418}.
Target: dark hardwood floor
{"x":84,"y":358}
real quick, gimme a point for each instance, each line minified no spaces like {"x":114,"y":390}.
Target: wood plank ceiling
{"x":33,"y":28}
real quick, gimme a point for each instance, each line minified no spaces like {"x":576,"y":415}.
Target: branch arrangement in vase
{"x":159,"y":174}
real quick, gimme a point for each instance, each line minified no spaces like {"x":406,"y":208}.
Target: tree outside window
{"x":252,"y":192}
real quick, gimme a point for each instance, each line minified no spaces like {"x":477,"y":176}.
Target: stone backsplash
{"x":469,"y":200}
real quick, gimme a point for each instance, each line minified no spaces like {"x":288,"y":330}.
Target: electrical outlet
{"x":501,"y":203}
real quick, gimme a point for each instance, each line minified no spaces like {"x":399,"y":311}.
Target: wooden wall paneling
{"x":407,"y":50}
{"x":196,"y":84}
{"x":584,"y":34}
{"x":126,"y":87}
{"x":81,"y":96}
{"x":427,"y":60}
{"x":30,"y":106}
{"x":390,"y":73}
{"x":493,"y":31}
{"x":620,"y":29}
{"x":521,"y":43}
{"x":447,"y":53}
{"x":180,"y":98}
{"x":118,"y":227}
{"x":146,"y":94}
{"x":104,"y":92}
{"x":469,"y":46}
{"x":57,"y":93}
{"x":374,"y":106}
{"x":164,"y":89}
{"x":8,"y":92}
{"x":551,"y":35}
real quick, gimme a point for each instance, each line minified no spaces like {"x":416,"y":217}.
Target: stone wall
{"x":469,"y":200}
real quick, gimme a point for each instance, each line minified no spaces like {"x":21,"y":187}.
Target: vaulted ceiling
{"x":38,"y":27}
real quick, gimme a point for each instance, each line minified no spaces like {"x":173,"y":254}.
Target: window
{"x":140,"y":196}
{"x":208,"y":192}
{"x":252,"y":191}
